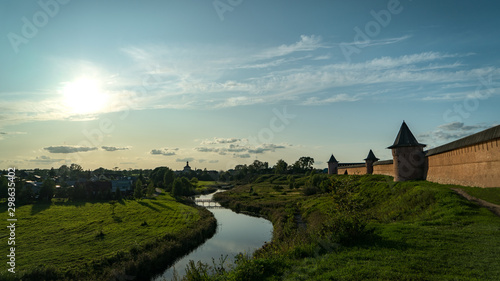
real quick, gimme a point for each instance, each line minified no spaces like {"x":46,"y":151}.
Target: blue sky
{"x":141,"y":84}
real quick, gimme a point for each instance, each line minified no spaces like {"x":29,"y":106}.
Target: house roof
{"x":405,"y":138}
{"x":371,"y":156}
{"x":332,"y":160}
{"x":486,"y":135}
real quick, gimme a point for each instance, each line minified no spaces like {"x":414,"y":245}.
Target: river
{"x":236,"y":233}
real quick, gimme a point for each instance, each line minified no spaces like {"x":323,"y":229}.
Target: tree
{"x":4,"y":187}
{"x":118,"y":193}
{"x":187,"y":187}
{"x":75,"y":170}
{"x":150,"y":190}
{"x":291,"y":182}
{"x":47,"y":190}
{"x":194,"y":180}
{"x":25,"y":195}
{"x":302,"y":165}
{"x":306,"y":163}
{"x":177,"y":188}
{"x":168,"y":178}
{"x":52,"y":172}
{"x":138,"y":189}
{"x":63,"y":171}
{"x":280,"y":167}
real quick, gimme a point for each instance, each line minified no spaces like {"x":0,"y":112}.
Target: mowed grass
{"x":67,"y":235}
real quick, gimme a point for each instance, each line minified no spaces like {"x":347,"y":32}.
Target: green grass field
{"x":369,"y":228}
{"x":71,"y":235}
{"x":488,"y":194}
{"x":203,"y":187}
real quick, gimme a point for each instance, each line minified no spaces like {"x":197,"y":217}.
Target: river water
{"x":236,"y":233}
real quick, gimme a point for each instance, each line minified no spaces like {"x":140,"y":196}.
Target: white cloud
{"x":306,"y":43}
{"x":45,"y":160}
{"x":65,"y":149}
{"x":184,"y":159}
{"x":113,"y":148}
{"x":448,"y":132}
{"x":220,"y":140}
{"x":164,"y":151}
{"x":377,"y":42}
{"x":240,"y":148}
{"x":332,"y":99}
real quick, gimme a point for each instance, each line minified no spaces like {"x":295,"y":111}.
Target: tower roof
{"x":332,"y":160}
{"x":405,"y":138}
{"x":371,"y":156}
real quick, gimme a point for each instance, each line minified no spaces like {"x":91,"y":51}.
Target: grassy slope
{"x":488,"y":194}
{"x":68,"y":235}
{"x":417,"y":231}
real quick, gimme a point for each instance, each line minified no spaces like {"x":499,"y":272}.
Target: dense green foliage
{"x":362,"y":228}
{"x":98,"y":240}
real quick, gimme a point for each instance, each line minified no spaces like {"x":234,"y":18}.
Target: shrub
{"x":310,"y":190}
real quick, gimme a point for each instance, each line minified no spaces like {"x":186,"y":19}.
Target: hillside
{"x":364,"y":228}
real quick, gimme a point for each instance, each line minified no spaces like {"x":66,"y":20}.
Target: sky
{"x":142,"y":84}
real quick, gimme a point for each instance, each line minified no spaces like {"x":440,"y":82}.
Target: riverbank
{"x":366,"y":228}
{"x":236,"y":233}
{"x":105,"y":240}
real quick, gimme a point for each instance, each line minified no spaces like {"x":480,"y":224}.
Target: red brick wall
{"x":353,"y":171}
{"x":475,"y":165}
{"x":386,"y":169}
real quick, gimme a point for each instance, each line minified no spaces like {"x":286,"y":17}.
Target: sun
{"x":84,"y":96}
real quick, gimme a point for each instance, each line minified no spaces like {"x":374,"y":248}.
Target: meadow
{"x":89,"y":240}
{"x":363,"y":228}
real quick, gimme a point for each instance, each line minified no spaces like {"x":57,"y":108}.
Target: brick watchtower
{"x":408,"y":156}
{"x":333,"y":166}
{"x":370,"y":159}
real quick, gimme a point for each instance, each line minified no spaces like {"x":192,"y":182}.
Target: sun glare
{"x":84,"y":96}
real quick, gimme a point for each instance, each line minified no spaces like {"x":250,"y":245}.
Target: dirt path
{"x":490,"y":206}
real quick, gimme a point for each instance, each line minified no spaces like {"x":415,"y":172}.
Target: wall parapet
{"x":384,"y":162}
{"x":352,"y":165}
{"x":484,"y":136}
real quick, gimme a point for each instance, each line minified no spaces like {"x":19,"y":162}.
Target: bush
{"x":310,"y":190}
{"x":277,"y":187}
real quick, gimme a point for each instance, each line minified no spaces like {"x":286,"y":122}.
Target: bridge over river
{"x":207,"y":203}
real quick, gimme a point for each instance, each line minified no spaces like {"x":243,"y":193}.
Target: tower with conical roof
{"x":408,"y":156}
{"x":369,"y":160}
{"x":333,"y":166}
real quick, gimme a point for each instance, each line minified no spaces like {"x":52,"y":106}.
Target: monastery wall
{"x":470,"y":161}
{"x":383,"y":168}
{"x":469,"y":165}
{"x":355,"y":170}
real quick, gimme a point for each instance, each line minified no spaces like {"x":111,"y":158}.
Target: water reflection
{"x":236,"y":233}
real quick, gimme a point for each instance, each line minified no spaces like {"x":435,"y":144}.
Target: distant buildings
{"x":187,"y":169}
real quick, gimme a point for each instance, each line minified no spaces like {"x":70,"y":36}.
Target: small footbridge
{"x":207,"y":203}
